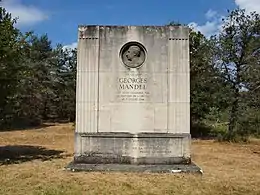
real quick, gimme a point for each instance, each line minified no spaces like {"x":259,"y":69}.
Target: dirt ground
{"x":32,"y":162}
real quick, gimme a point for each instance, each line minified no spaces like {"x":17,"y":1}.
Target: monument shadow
{"x":16,"y":154}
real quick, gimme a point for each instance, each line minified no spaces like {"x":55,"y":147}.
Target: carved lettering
{"x":152,"y":149}
{"x":132,"y":80}
{"x":131,"y":86}
{"x":133,"y":89}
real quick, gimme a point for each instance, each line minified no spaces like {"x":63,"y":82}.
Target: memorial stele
{"x":133,"y":99}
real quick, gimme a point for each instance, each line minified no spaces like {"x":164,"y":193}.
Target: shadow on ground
{"x":15,"y":154}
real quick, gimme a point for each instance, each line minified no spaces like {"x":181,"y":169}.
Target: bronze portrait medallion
{"x":133,"y":54}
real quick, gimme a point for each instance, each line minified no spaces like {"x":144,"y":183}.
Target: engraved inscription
{"x":132,"y":83}
{"x":150,"y":148}
{"x":132,"y":89}
{"x":134,"y":96}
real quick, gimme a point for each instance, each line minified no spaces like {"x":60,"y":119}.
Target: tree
{"x":37,"y":82}
{"x":66,"y":85}
{"x":237,"y":52}
{"x":11,"y":44}
{"x":200,"y":73}
{"x":206,"y":86}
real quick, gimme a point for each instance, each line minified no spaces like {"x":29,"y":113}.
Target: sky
{"x":59,"y":19}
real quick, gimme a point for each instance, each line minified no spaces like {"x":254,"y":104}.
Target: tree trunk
{"x":233,"y":115}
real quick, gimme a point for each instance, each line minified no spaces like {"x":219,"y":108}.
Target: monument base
{"x":142,"y":152}
{"x":176,"y":168}
{"x":136,"y":149}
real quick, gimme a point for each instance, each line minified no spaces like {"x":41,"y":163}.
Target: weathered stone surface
{"x":126,"y":148}
{"x":133,"y":95}
{"x":113,"y":97}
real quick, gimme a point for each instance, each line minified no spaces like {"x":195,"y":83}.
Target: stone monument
{"x":133,"y":99}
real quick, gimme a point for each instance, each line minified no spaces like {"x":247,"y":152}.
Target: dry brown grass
{"x":228,"y":169}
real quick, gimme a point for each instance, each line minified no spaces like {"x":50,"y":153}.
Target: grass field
{"x":32,"y":161}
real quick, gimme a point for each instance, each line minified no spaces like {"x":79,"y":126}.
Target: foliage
{"x":37,"y":81}
{"x":237,"y":59}
{"x":11,"y":42}
{"x":206,"y":86}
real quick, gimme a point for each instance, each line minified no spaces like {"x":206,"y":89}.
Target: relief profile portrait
{"x":133,"y":55}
